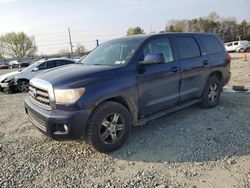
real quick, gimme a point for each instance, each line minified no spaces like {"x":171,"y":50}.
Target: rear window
{"x":188,"y":47}
{"x":211,"y":44}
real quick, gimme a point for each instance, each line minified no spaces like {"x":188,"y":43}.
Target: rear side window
{"x":67,"y":62}
{"x":188,"y":47}
{"x":59,"y":63}
{"x":51,"y":64}
{"x":211,"y":44}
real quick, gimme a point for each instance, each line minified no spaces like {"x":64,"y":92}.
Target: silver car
{"x":19,"y":81}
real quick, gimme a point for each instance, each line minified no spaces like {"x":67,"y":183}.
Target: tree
{"x":227,"y":28}
{"x":80,"y":49}
{"x":1,"y":51}
{"x":18,"y":45}
{"x":244,"y":30}
{"x":64,"y":52}
{"x":135,"y":31}
{"x":177,"y":26}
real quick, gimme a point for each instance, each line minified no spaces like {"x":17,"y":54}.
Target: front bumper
{"x":51,"y":123}
{"x":8,"y":86}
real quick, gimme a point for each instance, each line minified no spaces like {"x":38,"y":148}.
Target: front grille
{"x":39,"y":122}
{"x":40,"y":97}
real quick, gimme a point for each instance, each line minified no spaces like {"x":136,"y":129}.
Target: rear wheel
{"x":23,"y":86}
{"x":109,"y":127}
{"x":241,"y":50}
{"x":211,"y":93}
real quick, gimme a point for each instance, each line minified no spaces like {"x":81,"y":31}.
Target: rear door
{"x":158,"y":85}
{"x":194,"y":66}
{"x":235,"y":46}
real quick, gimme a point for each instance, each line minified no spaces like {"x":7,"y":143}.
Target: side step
{"x":160,"y":114}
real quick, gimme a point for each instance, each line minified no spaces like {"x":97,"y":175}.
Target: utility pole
{"x":70,"y":41}
{"x":97,"y":42}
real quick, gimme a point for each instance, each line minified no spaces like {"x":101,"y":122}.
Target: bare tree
{"x":18,"y":45}
{"x":227,"y":28}
{"x":135,"y":31}
{"x":1,"y":51}
{"x":80,"y":49}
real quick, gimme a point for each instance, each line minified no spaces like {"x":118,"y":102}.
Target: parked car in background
{"x":19,"y":80}
{"x":237,"y":46}
{"x":128,"y":81}
{"x":4,"y":65}
{"x":19,"y":63}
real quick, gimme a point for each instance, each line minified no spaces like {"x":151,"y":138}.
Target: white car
{"x":4,"y":80}
{"x":237,"y":46}
{"x":19,"y":80}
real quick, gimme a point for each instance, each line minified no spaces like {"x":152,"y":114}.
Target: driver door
{"x":158,"y":84}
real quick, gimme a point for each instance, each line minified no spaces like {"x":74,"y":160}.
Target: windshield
{"x":113,"y":53}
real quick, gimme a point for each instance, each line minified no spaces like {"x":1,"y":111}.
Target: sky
{"x":48,"y":20}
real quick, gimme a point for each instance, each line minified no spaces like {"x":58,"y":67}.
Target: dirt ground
{"x":191,"y":148}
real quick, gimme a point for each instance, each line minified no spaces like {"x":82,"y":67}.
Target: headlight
{"x":68,"y":96}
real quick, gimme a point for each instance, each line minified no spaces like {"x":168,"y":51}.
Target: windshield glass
{"x":113,"y":53}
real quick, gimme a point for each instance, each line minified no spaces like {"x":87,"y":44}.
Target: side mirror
{"x":153,"y":58}
{"x":35,"y":69}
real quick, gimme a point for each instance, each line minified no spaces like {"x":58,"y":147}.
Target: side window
{"x":160,"y":46}
{"x":59,"y":63}
{"x":230,"y":44}
{"x":51,"y":64}
{"x":188,"y":47}
{"x":42,"y":66}
{"x":236,"y":43}
{"x":67,"y":62}
{"x":211,"y":44}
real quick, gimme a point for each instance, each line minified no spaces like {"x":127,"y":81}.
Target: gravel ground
{"x":190,"y":148}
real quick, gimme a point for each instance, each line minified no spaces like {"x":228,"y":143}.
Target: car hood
{"x":74,"y":75}
{"x":11,"y":74}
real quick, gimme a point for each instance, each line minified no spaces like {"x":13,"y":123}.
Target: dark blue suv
{"x":127,"y":82}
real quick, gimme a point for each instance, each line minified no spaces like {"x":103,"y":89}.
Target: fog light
{"x":66,"y":128}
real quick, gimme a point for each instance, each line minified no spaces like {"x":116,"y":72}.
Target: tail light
{"x":228,"y":58}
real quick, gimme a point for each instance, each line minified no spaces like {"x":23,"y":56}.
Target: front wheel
{"x":109,"y":127}
{"x":211,"y":93}
{"x":23,"y":86}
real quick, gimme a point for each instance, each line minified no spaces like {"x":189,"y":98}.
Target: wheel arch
{"x":22,"y":79}
{"x":218,"y":74}
{"x":127,"y":103}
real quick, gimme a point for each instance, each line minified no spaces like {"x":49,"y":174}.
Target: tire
{"x":23,"y":86}
{"x":109,"y":127}
{"x":241,"y":50}
{"x":211,"y":93}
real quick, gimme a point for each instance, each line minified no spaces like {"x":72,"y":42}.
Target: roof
{"x":54,"y":59}
{"x":146,"y":36}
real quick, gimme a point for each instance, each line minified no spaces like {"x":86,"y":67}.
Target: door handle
{"x":174,"y":69}
{"x":205,"y":62}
